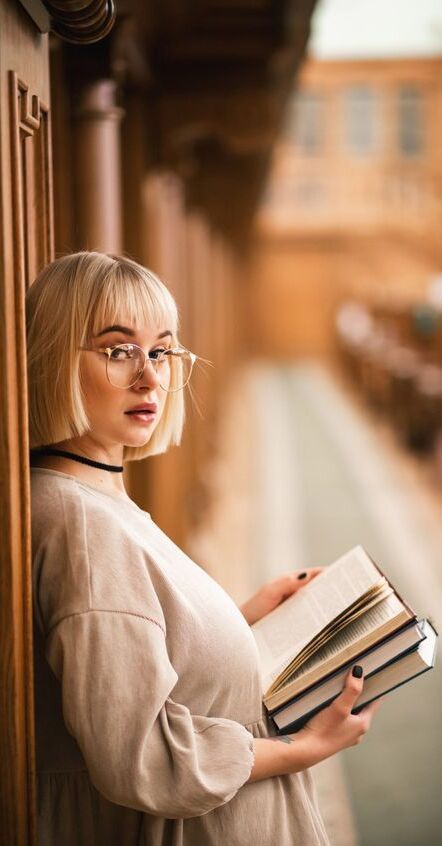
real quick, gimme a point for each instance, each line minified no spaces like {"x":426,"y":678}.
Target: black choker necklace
{"x":113,"y":468}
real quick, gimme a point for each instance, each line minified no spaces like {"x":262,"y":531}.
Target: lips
{"x":143,"y":409}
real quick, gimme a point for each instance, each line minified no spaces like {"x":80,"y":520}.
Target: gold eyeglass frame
{"x":169,"y":352}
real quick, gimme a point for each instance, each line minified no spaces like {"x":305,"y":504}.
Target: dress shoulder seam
{"x":105,"y":611}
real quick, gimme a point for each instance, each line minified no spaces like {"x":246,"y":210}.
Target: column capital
{"x":96,"y":101}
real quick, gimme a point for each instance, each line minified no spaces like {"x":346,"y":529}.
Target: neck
{"x":101,"y":478}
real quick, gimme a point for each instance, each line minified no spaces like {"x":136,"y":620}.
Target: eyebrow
{"x":127,"y":331}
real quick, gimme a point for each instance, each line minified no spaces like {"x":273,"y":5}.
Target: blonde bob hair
{"x":70,"y":301}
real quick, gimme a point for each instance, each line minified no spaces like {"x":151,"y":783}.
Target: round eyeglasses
{"x":125,"y":364}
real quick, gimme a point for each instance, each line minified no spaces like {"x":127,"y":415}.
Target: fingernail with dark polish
{"x":357,"y":671}
{"x":302,"y":575}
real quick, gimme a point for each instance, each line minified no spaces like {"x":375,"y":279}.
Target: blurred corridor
{"x":302,"y":475}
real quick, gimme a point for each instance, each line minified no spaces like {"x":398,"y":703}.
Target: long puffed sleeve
{"x":142,"y":749}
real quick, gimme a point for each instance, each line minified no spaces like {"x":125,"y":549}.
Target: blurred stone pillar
{"x":161,"y":483}
{"x":97,"y":156}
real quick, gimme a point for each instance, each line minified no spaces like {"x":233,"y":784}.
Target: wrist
{"x":316,"y":748}
{"x":304,"y":749}
{"x":281,"y":755}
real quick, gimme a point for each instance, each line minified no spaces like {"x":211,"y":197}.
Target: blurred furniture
{"x":393,"y":354}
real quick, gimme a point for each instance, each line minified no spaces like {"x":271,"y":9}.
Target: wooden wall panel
{"x":31,"y":161}
{"x":290,"y":298}
{"x":25,"y":245}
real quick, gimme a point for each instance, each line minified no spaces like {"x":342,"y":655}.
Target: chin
{"x":139,"y":436}
{"x":138,"y":442}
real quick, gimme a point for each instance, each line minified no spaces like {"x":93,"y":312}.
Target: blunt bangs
{"x":133,"y":294}
{"x":71,"y":300}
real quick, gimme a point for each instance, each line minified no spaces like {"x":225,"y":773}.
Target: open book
{"x":343,"y":612}
{"x":403,"y":656}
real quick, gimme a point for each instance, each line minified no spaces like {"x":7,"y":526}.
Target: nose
{"x":148,"y":377}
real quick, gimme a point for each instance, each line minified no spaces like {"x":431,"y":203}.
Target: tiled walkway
{"x":302,"y":475}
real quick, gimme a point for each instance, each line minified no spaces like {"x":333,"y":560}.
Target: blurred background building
{"x":355,"y":189}
{"x":279,"y":165}
{"x":353,"y":204}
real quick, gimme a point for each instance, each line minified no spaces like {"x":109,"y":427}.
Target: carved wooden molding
{"x":26,"y":168}
{"x":81,"y":22}
{"x":31,"y":248}
{"x":32,"y":180}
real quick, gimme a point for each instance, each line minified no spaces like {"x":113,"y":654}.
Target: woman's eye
{"x":122,"y":353}
{"x":156,"y":353}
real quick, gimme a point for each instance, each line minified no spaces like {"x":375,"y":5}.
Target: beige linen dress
{"x":147,"y":689}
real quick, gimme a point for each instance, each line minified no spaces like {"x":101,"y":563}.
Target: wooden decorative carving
{"x":82,"y":22}
{"x":32,"y":181}
{"x":27,"y":245}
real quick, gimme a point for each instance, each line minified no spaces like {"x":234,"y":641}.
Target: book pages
{"x":336,"y":625}
{"x":284,"y":632}
{"x":383,"y":673}
{"x":328,"y":632}
{"x":352,"y":634}
{"x":366,"y":631}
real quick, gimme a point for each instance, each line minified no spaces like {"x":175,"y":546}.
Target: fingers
{"x":302,"y":576}
{"x":365,"y":716}
{"x":312,"y":571}
{"x":350,"y":693}
{"x":373,"y":706}
{"x":290,"y":582}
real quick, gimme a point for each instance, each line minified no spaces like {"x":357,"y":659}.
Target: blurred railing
{"x":393,"y":354}
{"x":308,"y":194}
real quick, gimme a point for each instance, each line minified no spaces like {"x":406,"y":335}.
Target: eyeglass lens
{"x":125,"y":365}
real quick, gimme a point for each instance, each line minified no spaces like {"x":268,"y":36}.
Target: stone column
{"x":97,"y":168}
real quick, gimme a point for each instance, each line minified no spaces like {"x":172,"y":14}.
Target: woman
{"x":149,"y":720}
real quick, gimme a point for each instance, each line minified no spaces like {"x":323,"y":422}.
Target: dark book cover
{"x":296,"y":725}
{"x":373,"y":648}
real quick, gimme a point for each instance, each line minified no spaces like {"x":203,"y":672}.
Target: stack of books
{"x":348,"y":614}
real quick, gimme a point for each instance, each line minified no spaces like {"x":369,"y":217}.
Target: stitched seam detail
{"x":106,"y":611}
{"x":83,"y":514}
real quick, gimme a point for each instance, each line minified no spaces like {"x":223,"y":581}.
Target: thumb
{"x":352,"y":688}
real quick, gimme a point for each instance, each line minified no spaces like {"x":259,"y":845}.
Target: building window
{"x":360,"y":112}
{"x":410,"y":116}
{"x":304,"y":124}
{"x":309,"y":193}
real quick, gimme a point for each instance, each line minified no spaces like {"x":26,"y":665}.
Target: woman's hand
{"x":273,"y":593}
{"x":330,"y":730}
{"x":335,"y":727}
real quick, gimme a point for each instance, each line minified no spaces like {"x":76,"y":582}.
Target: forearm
{"x":281,"y":756}
{"x":332,"y":729}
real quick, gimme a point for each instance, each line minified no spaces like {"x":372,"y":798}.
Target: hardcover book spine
{"x":346,"y":666}
{"x":296,"y":725}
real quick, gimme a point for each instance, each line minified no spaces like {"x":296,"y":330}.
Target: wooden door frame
{"x":25,"y":160}
{"x":26,"y":245}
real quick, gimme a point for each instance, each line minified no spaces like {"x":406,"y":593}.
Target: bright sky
{"x":376,"y":28}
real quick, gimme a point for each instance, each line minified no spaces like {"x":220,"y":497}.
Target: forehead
{"x":124,"y":327}
{"x":141,"y":323}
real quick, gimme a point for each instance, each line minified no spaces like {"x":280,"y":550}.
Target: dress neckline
{"x":113,"y":494}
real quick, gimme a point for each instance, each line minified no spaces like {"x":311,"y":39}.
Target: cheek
{"x":161,"y":398}
{"x":165,"y":378}
{"x":95,"y":384}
